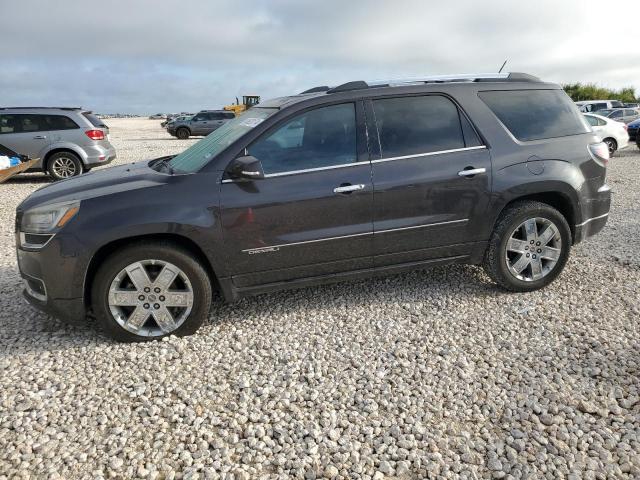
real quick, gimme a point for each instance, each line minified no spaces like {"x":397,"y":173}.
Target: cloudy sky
{"x":159,"y":56}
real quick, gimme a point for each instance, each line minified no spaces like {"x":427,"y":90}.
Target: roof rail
{"x":41,"y":108}
{"x":323,"y":88}
{"x":462,"y":78}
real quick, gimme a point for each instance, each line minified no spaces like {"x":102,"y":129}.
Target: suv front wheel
{"x":529,"y":247}
{"x":63,"y":165}
{"x":183,"y":133}
{"x":150,"y":290}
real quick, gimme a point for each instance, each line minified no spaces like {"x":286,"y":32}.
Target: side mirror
{"x":247,"y":167}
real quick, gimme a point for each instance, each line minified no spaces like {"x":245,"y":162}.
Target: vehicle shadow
{"x":23,"y":178}
{"x":24,"y":328}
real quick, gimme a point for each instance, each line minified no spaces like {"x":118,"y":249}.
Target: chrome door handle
{"x":348,"y":188}
{"x":471,"y":172}
{"x":40,"y":137}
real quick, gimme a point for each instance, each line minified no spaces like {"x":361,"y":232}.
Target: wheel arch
{"x":62,"y":149}
{"x":183,"y":242}
{"x":557,"y":199}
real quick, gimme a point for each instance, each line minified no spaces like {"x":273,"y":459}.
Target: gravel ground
{"x":434,"y":374}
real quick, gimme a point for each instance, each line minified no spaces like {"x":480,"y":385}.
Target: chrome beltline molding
{"x":591,"y":220}
{"x":274,"y":248}
{"x":353,"y":164}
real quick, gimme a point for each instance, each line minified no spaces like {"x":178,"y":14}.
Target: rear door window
{"x":60,"y":122}
{"x":416,"y":125}
{"x":593,"y":121}
{"x":323,"y":137}
{"x":535,"y":114}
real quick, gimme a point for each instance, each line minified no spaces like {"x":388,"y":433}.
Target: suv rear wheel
{"x":151,"y":290}
{"x":183,"y":133}
{"x":529,"y":247}
{"x":63,"y":165}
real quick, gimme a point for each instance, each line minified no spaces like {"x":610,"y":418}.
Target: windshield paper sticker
{"x":251,"y":122}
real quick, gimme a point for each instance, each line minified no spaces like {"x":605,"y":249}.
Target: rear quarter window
{"x":93,"y":120}
{"x":535,"y":114}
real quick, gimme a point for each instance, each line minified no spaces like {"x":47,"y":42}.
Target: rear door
{"x":312,"y":213}
{"x":27,"y":134}
{"x":431,"y":181}
{"x":217,"y":120}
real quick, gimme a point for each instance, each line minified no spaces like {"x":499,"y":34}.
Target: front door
{"x":312,"y":213}
{"x":25,"y":134}
{"x":431,"y":183}
{"x":200,"y":124}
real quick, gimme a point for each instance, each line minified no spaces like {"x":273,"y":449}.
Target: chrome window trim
{"x":429,"y":154}
{"x":345,"y":165}
{"x":592,"y":219}
{"x":277,"y":247}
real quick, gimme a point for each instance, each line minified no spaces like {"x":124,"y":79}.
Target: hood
{"x":100,"y":183}
{"x":635,"y":123}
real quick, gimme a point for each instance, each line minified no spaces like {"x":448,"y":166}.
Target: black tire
{"x":612,"y":145}
{"x":183,"y":133}
{"x":63,"y":165}
{"x":495,"y":258}
{"x":165,"y":252}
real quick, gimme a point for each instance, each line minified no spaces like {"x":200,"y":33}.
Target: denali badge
{"x":262,"y":250}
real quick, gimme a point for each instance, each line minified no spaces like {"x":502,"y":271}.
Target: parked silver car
{"x":68,"y":141}
{"x":624,"y":115}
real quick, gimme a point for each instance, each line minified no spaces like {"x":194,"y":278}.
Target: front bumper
{"x":633,"y":133}
{"x":54,"y":278}
{"x":595,"y":213}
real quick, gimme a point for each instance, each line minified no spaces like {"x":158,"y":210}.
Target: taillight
{"x":600,"y":153}
{"x":625,"y":126}
{"x":95,"y":134}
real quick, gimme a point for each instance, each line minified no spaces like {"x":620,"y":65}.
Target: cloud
{"x":146,"y":56}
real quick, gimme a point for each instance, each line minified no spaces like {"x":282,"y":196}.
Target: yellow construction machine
{"x":248,"y":101}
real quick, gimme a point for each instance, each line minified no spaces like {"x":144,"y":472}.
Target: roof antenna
{"x":500,"y":71}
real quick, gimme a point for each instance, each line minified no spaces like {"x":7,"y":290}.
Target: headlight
{"x":49,"y":217}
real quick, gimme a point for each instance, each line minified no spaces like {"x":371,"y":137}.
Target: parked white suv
{"x":68,"y":141}
{"x":613,"y":133}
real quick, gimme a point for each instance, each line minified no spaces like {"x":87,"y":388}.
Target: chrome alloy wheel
{"x":533,"y":249}
{"x":64,"y":167}
{"x":150,"y":298}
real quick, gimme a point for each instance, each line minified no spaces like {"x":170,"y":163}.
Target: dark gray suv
{"x":68,"y":141}
{"x":332,"y":184}
{"x":202,"y":123}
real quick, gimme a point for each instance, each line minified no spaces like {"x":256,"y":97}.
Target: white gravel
{"x":425,"y":375}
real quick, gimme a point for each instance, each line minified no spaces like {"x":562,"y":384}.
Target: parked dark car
{"x":202,"y":123}
{"x":334,"y":184}
{"x":632,"y":130}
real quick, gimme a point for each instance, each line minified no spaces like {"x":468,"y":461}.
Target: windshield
{"x":605,"y":112}
{"x":201,"y":153}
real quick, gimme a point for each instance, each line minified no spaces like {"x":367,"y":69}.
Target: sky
{"x":141,"y":56}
